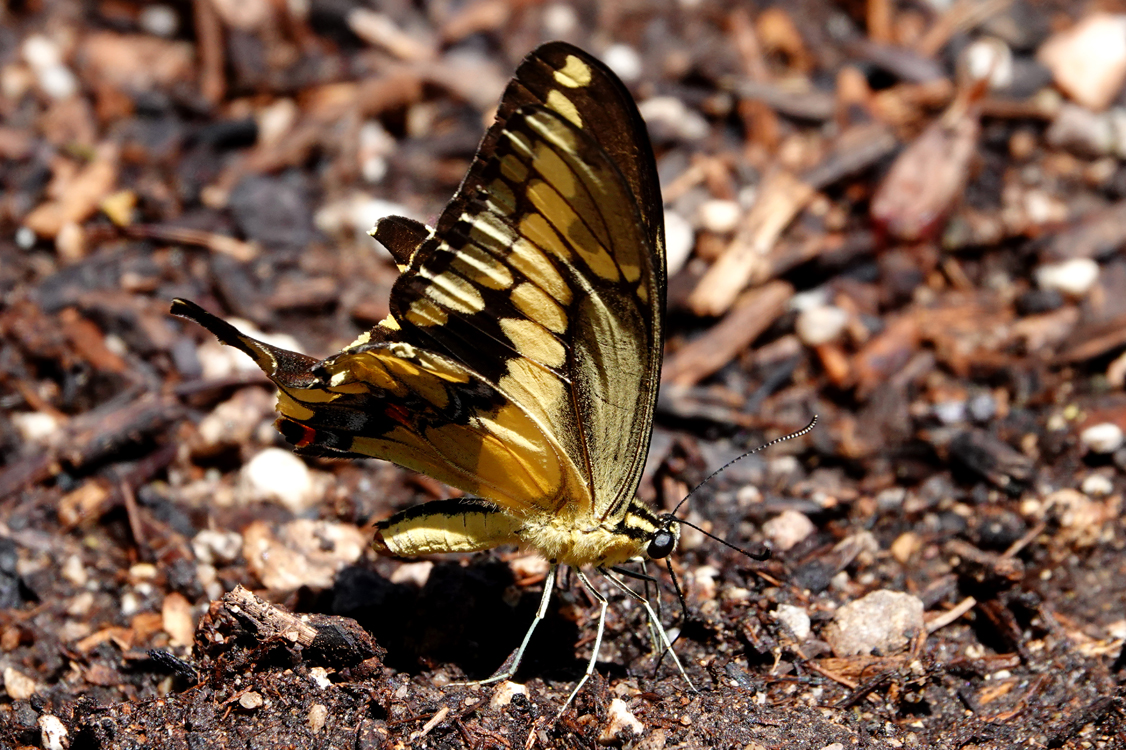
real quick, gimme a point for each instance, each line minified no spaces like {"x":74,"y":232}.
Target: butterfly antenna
{"x":803,"y":431}
{"x":756,"y":551}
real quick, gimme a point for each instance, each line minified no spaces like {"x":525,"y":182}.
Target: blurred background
{"x":905,"y":216}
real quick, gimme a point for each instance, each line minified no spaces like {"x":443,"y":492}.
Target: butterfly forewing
{"x":585,"y":91}
{"x":546,"y":272}
{"x":521,"y":359}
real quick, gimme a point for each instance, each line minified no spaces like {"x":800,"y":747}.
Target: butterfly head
{"x":664,"y":538}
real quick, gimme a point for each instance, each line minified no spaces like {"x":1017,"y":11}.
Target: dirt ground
{"x":905,"y":217}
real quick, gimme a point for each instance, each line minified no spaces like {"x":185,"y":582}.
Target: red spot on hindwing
{"x":308,"y":436}
{"x":398,"y":413}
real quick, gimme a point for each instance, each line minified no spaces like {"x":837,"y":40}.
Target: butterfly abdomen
{"x":457,"y":525}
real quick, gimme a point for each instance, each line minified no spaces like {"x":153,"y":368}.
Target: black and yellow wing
{"x":522,"y":355}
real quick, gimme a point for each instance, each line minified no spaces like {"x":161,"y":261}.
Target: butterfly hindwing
{"x":428,"y":412}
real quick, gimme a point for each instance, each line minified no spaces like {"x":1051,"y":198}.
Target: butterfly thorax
{"x":587,"y":541}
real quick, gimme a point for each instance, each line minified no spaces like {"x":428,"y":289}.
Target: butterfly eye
{"x":661,"y":545}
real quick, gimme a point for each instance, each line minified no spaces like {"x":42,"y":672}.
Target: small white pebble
{"x":989,"y":58}
{"x":505,"y":692}
{"x":816,"y":297}
{"x":130,"y":605}
{"x":680,"y":241}
{"x":209,"y":579}
{"x":251,"y":700}
{"x":142,"y":572}
{"x":704,"y":582}
{"x":1097,"y":485}
{"x":622,"y":724}
{"x":983,"y":407}
{"x":787,"y":529}
{"x":19,"y":686}
{"x":884,"y":621}
{"x":318,"y":713}
{"x":159,"y":20}
{"x":34,"y":426}
{"x":748,"y":495}
{"x":719,"y":216}
{"x":74,"y":571}
{"x":80,"y":605}
{"x":57,"y":81}
{"x":52,"y":733}
{"x":950,"y":412}
{"x":1105,"y":437}
{"x":795,"y":619}
{"x":212,"y":546}
{"x":275,"y":120}
{"x":891,"y":498}
{"x":820,"y":325}
{"x":674,"y":114}
{"x":276,"y":474}
{"x":177,"y":620}
{"x":41,"y":52}
{"x":1042,"y":207}
{"x":559,"y":20}
{"x":70,"y":242}
{"x":1088,"y":60}
{"x":319,"y":675}
{"x":623,"y":60}
{"x":376,"y":144}
{"x":1073,"y":277}
{"x":736,"y":594}
{"x":25,"y":238}
{"x":416,"y":573}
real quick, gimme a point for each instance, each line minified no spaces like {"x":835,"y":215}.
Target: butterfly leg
{"x":602,"y":603}
{"x":643,"y":575}
{"x":653,"y":620}
{"x":513,"y":663}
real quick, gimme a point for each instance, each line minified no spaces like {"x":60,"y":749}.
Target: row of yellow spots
{"x":497,"y":238}
{"x":532,"y":341}
{"x":574,"y":74}
{"x":561,"y":189}
{"x":543,"y":395}
{"x":398,"y":368}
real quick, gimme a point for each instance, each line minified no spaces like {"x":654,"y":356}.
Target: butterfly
{"x":521,"y":358}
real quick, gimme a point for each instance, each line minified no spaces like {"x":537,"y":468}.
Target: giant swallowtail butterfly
{"x":521,"y":358}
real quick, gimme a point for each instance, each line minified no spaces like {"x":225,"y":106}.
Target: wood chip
{"x":752,"y":314}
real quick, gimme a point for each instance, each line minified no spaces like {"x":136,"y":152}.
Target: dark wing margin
{"x":401,"y":236}
{"x":612,"y":119}
{"x":287,"y":369}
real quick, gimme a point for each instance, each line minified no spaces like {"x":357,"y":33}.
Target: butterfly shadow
{"x":463,"y":616}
